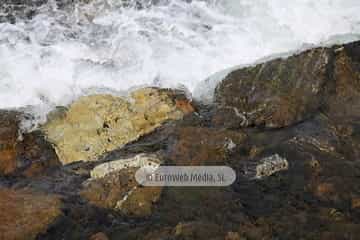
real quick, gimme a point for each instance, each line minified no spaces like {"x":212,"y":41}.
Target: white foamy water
{"x":61,"y":54}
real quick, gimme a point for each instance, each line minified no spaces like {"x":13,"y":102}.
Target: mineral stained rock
{"x":283,"y":92}
{"x":344,"y":103}
{"x":8,"y":138}
{"x":277,"y":93}
{"x":97,"y":124}
{"x":25,"y":214}
{"x":113,"y":186}
{"x":26,"y":154}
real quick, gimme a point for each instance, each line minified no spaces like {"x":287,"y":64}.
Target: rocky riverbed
{"x":289,"y":127}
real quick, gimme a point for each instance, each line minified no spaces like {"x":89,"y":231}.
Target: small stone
{"x":271,"y":165}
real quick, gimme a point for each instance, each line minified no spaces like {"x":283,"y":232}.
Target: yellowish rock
{"x":96,"y":124}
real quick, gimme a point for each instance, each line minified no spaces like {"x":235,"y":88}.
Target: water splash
{"x":61,"y":53}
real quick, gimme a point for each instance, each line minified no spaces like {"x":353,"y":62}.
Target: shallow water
{"x":62,"y":53}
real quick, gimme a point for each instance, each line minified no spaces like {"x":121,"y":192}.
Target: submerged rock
{"x":97,"y":124}
{"x":25,"y":214}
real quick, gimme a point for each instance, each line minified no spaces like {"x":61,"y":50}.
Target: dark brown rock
{"x":283,"y":92}
{"x":344,"y":104}
{"x":204,"y":146}
{"x":280,"y":92}
{"x":35,"y":155}
{"x":120,"y":191}
{"x":198,"y":230}
{"x":25,"y":214}
{"x":8,"y":138}
{"x":26,"y":154}
{"x":107,"y":191}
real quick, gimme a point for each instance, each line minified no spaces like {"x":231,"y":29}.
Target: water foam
{"x":62,"y":53}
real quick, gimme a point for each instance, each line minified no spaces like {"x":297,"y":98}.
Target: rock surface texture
{"x":283,"y":92}
{"x":280,"y":92}
{"x":113,"y":186}
{"x":8,"y":138}
{"x":25,"y":214}
{"x":97,"y":124}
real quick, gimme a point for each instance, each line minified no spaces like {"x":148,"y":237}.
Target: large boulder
{"x":277,"y":93}
{"x":96,"y":124}
{"x":25,"y":214}
{"x":286,"y":91}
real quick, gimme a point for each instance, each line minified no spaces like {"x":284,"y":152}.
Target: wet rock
{"x":9,"y":122}
{"x":283,"y":92}
{"x":27,"y":154}
{"x":325,"y":191}
{"x":138,"y":161}
{"x":344,"y":104}
{"x":186,"y":230}
{"x":106,"y":192}
{"x":198,"y":230}
{"x":277,"y":93}
{"x":99,"y":236}
{"x":204,"y":146}
{"x":139,"y":202}
{"x":232,"y":236}
{"x":35,"y":155}
{"x":113,"y":186}
{"x":25,"y":214}
{"x":355,"y":202}
{"x":98,"y":124}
